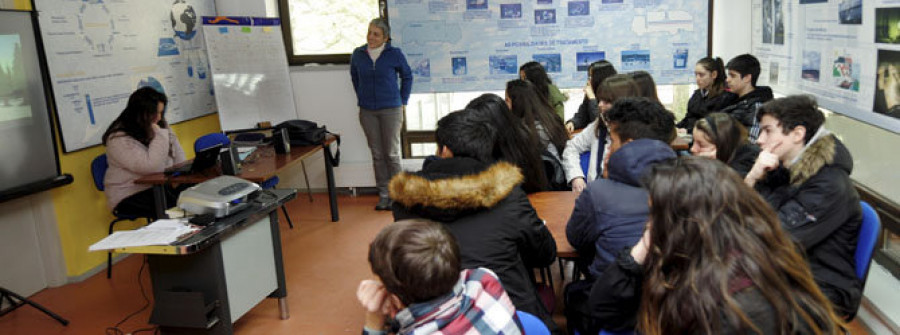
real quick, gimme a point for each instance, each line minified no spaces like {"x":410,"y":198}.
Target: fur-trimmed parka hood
{"x":822,"y":150}
{"x":448,"y":188}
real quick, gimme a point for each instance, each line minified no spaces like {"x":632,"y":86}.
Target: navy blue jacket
{"x":376,"y":83}
{"x":611,"y":213}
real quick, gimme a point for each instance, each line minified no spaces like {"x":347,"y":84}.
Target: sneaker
{"x":384,"y":204}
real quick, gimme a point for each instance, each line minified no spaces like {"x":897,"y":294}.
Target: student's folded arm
{"x":816,"y":210}
{"x":581,"y":230}
{"x":536,"y":245}
{"x":571,"y":157}
{"x":178,"y":154}
{"x":127,"y":152}
{"x":616,"y":296}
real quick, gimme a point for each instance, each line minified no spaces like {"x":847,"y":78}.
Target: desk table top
{"x":555,"y":208}
{"x":223,"y":227}
{"x":260,"y":166}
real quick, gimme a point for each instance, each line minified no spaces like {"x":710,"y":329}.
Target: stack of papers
{"x":160,"y":232}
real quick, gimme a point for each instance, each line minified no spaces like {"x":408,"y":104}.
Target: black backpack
{"x":306,"y":133}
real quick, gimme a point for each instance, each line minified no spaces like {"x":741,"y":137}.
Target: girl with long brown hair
{"x":595,"y":137}
{"x":713,"y":260}
{"x":722,"y":137}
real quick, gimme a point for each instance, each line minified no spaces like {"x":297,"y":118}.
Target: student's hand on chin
{"x":707,"y":154}
{"x":578,"y":185}
{"x":371,"y":295}
{"x":570,"y":127}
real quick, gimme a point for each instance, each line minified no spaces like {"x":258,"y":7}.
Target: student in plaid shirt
{"x":421,"y":288}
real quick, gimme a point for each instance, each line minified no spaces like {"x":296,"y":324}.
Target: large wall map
{"x":99,"y":51}
{"x":477,"y":45}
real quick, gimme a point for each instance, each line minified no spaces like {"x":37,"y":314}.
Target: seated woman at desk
{"x":139,"y":142}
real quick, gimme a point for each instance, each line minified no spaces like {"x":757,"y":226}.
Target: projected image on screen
{"x":14,"y":102}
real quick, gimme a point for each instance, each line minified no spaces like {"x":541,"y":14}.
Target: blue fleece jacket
{"x":375,"y":83}
{"x":611,"y":213}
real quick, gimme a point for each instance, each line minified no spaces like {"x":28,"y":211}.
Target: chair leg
{"x":286,"y":216}
{"x":109,"y":253}
{"x":306,"y":178}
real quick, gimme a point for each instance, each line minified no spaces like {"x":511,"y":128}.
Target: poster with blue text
{"x":478,"y":45}
{"x":100,"y":51}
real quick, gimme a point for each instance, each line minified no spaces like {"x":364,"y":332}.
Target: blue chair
{"x":865,"y":245}
{"x":98,"y":171}
{"x":624,"y":332}
{"x":585,"y":160}
{"x":531,"y":325}
{"x":212,"y":139}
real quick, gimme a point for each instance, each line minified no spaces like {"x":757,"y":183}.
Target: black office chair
{"x":98,"y":170}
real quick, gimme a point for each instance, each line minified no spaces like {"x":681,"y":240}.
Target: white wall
{"x":30,"y":250}
{"x":730,"y":28}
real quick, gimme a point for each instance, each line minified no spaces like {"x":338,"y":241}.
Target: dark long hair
{"x":614,"y":88}
{"x":514,"y":144}
{"x":725,"y":132}
{"x":708,"y":232}
{"x":718,"y":66}
{"x":135,"y":120}
{"x":648,"y":87}
{"x":533,"y":110}
{"x":599,"y":71}
{"x":537,"y":75}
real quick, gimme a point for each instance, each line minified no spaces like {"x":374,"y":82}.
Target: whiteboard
{"x":98,"y":52}
{"x":846,"y":53}
{"x":250,"y":71}
{"x":479,"y":45}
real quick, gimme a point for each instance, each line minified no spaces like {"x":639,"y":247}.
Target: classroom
{"x":229,"y":66}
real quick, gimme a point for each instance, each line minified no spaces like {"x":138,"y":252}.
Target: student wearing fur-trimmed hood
{"x":482,"y":204}
{"x":804,"y":173}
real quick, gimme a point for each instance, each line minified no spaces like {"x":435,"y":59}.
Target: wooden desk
{"x":555,"y":208}
{"x":261,"y":165}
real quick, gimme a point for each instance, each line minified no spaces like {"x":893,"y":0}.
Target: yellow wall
{"x":22,"y":4}
{"x":81,"y":213}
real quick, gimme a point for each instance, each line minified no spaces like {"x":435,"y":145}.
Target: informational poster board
{"x":250,"y":71}
{"x":846,"y":53}
{"x":477,"y":45}
{"x":100,"y":51}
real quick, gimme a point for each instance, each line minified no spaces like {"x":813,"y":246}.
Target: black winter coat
{"x":699,"y":106}
{"x":818,"y":205}
{"x":744,"y":158}
{"x":744,"y":108}
{"x":587,"y":113}
{"x":490,"y":217}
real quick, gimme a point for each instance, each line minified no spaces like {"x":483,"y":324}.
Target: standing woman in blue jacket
{"x":382,"y":80}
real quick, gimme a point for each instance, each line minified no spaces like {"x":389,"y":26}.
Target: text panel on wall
{"x":846,"y":53}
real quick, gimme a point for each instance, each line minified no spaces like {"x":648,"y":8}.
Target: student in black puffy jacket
{"x":481,"y":204}
{"x":710,"y":95}
{"x":804,"y":171}
{"x":743,"y":71}
{"x":713,"y":260}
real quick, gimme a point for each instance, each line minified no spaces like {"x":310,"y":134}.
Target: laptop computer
{"x":205,"y":159}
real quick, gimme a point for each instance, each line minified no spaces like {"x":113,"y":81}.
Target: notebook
{"x":205,"y":159}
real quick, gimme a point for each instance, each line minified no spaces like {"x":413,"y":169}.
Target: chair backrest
{"x":585,"y":161}
{"x":98,"y":170}
{"x":623,"y":332}
{"x":209,"y":140}
{"x":531,"y":324}
{"x":868,"y":238}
